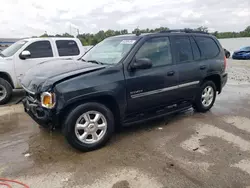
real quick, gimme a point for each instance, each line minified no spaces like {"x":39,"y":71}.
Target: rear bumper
{"x":40,"y":115}
{"x":224,"y":78}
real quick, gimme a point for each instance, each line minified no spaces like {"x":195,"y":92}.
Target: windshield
{"x":246,"y":48}
{"x":11,"y":50}
{"x":109,"y":51}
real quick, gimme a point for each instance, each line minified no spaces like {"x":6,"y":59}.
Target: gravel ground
{"x":185,"y":150}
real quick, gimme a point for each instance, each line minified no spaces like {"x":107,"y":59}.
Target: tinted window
{"x":208,"y":47}
{"x":40,"y":49}
{"x":196,"y":51}
{"x":67,"y":48}
{"x":183,"y":49}
{"x":157,"y":50}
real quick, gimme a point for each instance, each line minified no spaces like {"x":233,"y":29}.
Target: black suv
{"x":123,"y":80}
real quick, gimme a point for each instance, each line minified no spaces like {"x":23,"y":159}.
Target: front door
{"x":39,"y":51}
{"x":155,"y":86}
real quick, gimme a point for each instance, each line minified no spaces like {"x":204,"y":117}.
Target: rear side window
{"x":67,"y":48}
{"x":208,"y":47}
{"x":196,"y":51}
{"x":183,"y":49}
{"x":40,"y":49}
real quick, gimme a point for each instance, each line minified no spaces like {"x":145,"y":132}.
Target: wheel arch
{"x":6,"y":76}
{"x":216,"y":79}
{"x":108,"y":100}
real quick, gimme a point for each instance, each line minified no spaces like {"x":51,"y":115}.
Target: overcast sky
{"x":23,"y":18}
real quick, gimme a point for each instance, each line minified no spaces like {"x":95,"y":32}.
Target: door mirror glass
{"x":25,"y":54}
{"x":142,"y":63}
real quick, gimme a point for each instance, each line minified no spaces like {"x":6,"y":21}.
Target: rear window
{"x":208,"y":47}
{"x":67,"y":48}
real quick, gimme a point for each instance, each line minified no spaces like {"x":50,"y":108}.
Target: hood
{"x":45,"y":74}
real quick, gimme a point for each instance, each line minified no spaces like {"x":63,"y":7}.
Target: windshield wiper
{"x":1,"y":54}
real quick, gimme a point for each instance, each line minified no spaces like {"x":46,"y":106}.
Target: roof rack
{"x":183,"y":31}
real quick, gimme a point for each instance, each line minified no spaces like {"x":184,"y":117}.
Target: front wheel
{"x":205,"y":97}
{"x":89,"y":126}
{"x":5,"y":91}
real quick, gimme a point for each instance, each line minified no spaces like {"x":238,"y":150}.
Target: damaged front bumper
{"x":42,"y":116}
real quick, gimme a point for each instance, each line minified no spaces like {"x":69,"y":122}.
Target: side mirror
{"x":142,"y":63}
{"x":25,"y":54}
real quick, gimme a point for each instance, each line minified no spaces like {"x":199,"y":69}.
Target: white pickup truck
{"x":24,"y":54}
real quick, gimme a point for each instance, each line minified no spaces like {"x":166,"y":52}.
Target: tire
{"x":227,"y":55}
{"x":5,"y":91}
{"x":79,"y":115}
{"x":198,"y":105}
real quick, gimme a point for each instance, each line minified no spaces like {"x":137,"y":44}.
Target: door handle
{"x":203,"y":67}
{"x":170,"y":73}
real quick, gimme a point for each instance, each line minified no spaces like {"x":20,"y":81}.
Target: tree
{"x":247,"y":29}
{"x":215,"y":33}
{"x":124,"y":31}
{"x":92,"y":39}
{"x":67,"y":35}
{"x":44,"y":35}
{"x":202,"y":28}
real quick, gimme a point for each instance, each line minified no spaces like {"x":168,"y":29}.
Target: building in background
{"x":5,"y":42}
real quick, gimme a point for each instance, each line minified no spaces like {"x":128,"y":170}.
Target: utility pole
{"x":77,"y":32}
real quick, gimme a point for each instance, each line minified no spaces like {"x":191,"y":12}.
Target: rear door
{"x":148,"y":88}
{"x":190,"y":67}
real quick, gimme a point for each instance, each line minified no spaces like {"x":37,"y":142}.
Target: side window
{"x":183,"y":49}
{"x":208,"y":47}
{"x":157,"y":50}
{"x":67,"y":48}
{"x":196,"y":51}
{"x":40,"y":49}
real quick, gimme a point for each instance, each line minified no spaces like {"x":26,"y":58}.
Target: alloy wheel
{"x":90,"y":127}
{"x":207,"y":96}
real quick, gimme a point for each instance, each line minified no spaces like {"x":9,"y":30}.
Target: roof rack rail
{"x":183,"y":31}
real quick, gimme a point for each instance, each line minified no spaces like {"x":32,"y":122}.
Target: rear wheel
{"x":5,"y":91}
{"x":205,"y":97}
{"x":89,"y":126}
